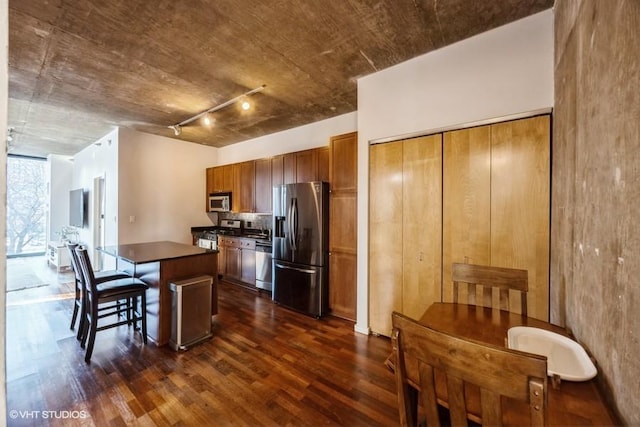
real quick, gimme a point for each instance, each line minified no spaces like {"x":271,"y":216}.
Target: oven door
{"x":208,"y":244}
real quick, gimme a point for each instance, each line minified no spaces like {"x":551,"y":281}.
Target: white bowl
{"x":565,"y":357}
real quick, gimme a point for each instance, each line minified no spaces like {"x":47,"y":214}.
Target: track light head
{"x":177,"y":130}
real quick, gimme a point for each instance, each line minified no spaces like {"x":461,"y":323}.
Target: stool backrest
{"x":87,"y":270}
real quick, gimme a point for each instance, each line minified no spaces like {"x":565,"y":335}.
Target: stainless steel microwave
{"x":219,"y":202}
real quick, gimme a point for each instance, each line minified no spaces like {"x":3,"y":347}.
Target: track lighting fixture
{"x":177,"y":128}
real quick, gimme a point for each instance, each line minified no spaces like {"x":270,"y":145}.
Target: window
{"x":26,"y":205}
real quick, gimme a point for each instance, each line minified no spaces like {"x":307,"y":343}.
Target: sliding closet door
{"x":520,"y":204}
{"x":466,"y":201}
{"x":421,"y":224}
{"x":385,"y":234}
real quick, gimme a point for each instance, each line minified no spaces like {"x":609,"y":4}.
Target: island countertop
{"x":140,"y":253}
{"x":158,"y":264}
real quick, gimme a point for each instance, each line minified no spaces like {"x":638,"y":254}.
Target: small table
{"x":158,"y":264}
{"x":572,"y":403}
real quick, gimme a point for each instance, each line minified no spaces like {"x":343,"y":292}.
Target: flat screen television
{"x":77,"y":208}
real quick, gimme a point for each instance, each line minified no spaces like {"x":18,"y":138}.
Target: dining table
{"x":569,"y":402}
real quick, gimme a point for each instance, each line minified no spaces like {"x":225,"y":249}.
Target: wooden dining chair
{"x":496,"y":371}
{"x":99,"y":314}
{"x":488,"y":278}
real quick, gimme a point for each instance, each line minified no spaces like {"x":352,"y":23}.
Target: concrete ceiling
{"x":79,"y":68}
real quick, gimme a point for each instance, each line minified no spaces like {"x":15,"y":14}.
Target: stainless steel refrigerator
{"x":300,"y":247}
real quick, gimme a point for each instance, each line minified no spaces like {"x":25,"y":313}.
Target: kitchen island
{"x":158,"y":264}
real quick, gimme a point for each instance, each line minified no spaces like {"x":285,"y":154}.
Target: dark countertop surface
{"x":247,"y":233}
{"x":140,"y":253}
{"x":203,"y":228}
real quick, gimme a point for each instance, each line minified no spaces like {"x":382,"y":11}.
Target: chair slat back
{"x":486,"y":279}
{"x":87,"y":270}
{"x":496,"y":371}
{"x":71,"y":248}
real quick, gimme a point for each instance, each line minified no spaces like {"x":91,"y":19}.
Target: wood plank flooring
{"x":265,"y":366}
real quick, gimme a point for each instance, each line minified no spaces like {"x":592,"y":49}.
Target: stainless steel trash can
{"x":190,"y":311}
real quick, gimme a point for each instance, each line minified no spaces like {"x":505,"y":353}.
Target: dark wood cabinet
{"x":209,"y":186}
{"x":263,"y":185}
{"x":323,"y":164}
{"x":289,"y":168}
{"x":277,"y":170}
{"x":232,"y":259}
{"x":306,"y":166}
{"x":251,"y":183}
{"x":343,"y":233}
{"x":237,"y":257}
{"x":248,"y":261}
{"x":344,"y":163}
{"x":243,"y":197}
{"x":222,"y":178}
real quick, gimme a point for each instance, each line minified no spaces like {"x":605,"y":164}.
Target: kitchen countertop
{"x":139,"y":253}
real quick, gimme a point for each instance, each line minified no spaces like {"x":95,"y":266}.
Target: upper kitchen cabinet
{"x":323,"y":158}
{"x":302,"y":166}
{"x":289,"y":168}
{"x":277,"y":170}
{"x":343,"y":230}
{"x":243,"y":197}
{"x":209,"y":186}
{"x":223,"y":178}
{"x":344,"y":162}
{"x":263,"y":185}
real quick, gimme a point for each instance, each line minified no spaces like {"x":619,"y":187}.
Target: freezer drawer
{"x":191,"y":311}
{"x":301,"y":287}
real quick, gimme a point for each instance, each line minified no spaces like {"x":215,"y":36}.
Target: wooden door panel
{"x":247,"y":186}
{"x":344,"y":159}
{"x":385,"y":235}
{"x":342,"y":288}
{"x":520,"y":204}
{"x":263,"y":188}
{"x":466,"y":200}
{"x":277,"y":170}
{"x":421,"y":224}
{"x":322,"y":156}
{"x":289,"y":172}
{"x":306,"y":166}
{"x":343,"y":223}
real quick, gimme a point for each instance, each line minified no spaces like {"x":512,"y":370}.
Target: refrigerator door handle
{"x":301,"y":270}
{"x":294,"y":224}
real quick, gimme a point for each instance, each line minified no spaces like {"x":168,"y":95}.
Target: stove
{"x":228,"y":227}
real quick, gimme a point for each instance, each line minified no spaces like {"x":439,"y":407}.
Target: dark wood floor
{"x":266,"y":365}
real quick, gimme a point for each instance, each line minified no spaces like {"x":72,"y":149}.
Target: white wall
{"x":301,"y":138}
{"x":504,"y":71}
{"x":100,"y":159}
{"x":162,"y":187}
{"x":59,"y":179}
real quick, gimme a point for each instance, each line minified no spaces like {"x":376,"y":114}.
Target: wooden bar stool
{"x":98,"y":309}
{"x":101,"y":276}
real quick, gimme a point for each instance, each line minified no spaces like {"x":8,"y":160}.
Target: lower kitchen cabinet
{"x":239,"y":258}
{"x":248,"y":261}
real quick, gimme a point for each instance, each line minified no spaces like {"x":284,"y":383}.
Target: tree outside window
{"x":26,"y":205}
